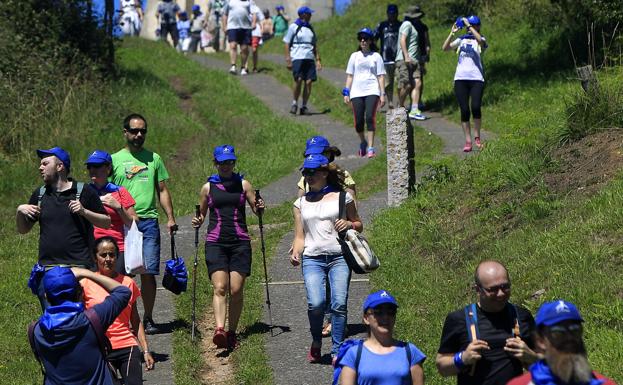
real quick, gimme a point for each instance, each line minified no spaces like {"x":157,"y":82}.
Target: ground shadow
{"x":261,"y":328}
{"x":160,"y":357}
{"x":323,"y":112}
{"x":169,"y":327}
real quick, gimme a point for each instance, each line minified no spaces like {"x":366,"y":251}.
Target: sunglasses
{"x":90,"y":166}
{"x":560,"y":330}
{"x":135,"y":131}
{"x":382,"y":312}
{"x":309,"y":171}
{"x":505,"y":287}
{"x":228,"y":162}
{"x":108,"y":254}
{"x":363,"y":38}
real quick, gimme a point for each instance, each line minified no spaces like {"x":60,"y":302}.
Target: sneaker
{"x":150,"y":326}
{"x":232,"y":340}
{"x":362,"y":148}
{"x":243,"y":72}
{"x":304,"y":111}
{"x":293,"y":109}
{"x":478,"y":143}
{"x":314,"y":356}
{"x":417,"y":115}
{"x":371,"y":152}
{"x":467,"y":147}
{"x":220,"y":338}
{"x":232,"y":69}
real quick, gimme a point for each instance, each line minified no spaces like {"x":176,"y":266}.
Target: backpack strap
{"x":79,"y":188}
{"x":358,"y":357}
{"x":41,"y":194}
{"x":516,"y":331}
{"x":408,"y":352}
{"x":342,"y":207}
{"x":33,"y":347}
{"x":298,"y":29}
{"x":100,"y":333}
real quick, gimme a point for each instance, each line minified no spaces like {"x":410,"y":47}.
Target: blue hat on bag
{"x":99,"y":157}
{"x":57,"y":152}
{"x":305,"y":9}
{"x":551,"y":313}
{"x":316,"y":145}
{"x":315,"y":161}
{"x":59,"y":282}
{"x":365,"y":31}
{"x":473,"y":19}
{"x":379,"y":298}
{"x":224,"y":152}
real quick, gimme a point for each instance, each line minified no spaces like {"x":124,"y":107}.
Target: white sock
{"x":414,"y":108}
{"x":294,"y":102}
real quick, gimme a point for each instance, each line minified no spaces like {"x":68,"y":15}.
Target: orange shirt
{"x":119,"y":333}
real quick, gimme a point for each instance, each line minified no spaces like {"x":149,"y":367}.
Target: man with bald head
{"x":488,"y":342}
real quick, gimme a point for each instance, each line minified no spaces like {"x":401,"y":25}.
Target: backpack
{"x":298,"y":28}
{"x":345,"y":347}
{"x":79,"y":188}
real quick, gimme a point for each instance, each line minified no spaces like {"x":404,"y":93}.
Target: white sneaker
{"x":243,"y":72}
{"x":232,"y":69}
{"x":416,"y":115}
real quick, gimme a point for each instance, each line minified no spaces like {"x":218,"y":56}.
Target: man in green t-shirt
{"x":143,"y":174}
{"x":280,"y":21}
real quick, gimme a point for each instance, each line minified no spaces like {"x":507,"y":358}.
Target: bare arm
{"x":203,"y":206}
{"x":139,"y":331}
{"x":288,"y":58}
{"x":99,"y":220}
{"x":299,"y":238}
{"x":167,"y":204}
{"x":349,"y":83}
{"x":107,"y":283}
{"x":403,"y":47}
{"x":473,"y":31}
{"x":445,"y":365}
{"x":250,"y":195}
{"x":446,"y":43}
{"x":25,"y":217}
{"x":417,"y":375}
{"x":381,"y":80}
{"x":348,"y":376}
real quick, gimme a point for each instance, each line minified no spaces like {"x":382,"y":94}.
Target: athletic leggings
{"x":466,"y":90}
{"x":127,"y":362}
{"x":364,"y":109}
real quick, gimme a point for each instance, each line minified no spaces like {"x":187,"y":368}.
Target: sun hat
{"x":99,"y":157}
{"x":365,"y":31}
{"x":224,"y":152}
{"x":305,"y":9}
{"x":392,"y":8}
{"x":378,"y":298}
{"x":59,"y":282}
{"x":314,"y":161}
{"x":414,"y":11}
{"x":57,"y":152}
{"x":316,"y":145}
{"x":473,"y":19}
{"x":551,"y":313}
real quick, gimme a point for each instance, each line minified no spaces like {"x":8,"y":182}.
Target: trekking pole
{"x":192,"y":330}
{"x":260,"y":212}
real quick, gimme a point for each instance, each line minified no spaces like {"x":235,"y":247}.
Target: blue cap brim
{"x":222,"y":157}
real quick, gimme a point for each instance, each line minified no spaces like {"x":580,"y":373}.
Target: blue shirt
{"x":383,"y":369}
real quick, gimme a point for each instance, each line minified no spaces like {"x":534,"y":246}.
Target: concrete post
{"x":400,"y":156}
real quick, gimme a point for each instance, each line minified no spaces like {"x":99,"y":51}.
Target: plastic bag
{"x":133,"y":254}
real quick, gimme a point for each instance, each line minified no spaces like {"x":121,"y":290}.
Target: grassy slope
{"x":183,"y":139}
{"x":497,"y":205}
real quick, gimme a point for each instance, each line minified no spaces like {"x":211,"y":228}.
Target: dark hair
{"x":336,"y":176}
{"x":103,"y":239}
{"x":126,"y":120}
{"x":330,"y":153}
{"x":266,"y":13}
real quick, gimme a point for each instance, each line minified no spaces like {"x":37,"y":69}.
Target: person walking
{"x":424,"y":45}
{"x":267,"y":26}
{"x":215,"y":13}
{"x":407,"y":63}
{"x":197,"y":24}
{"x":239,"y":22}
{"x":117,"y":201}
{"x":228,"y":246}
{"x":126,"y":333}
{"x":64,"y":340}
{"x":302,"y":57}
{"x":66,"y":211}
{"x":492,"y":334}
{"x":365,"y":89}
{"x":256,"y":35}
{"x":387,"y":35}
{"x":143,"y":174}
{"x":469,"y":77}
{"x":382,"y":359}
{"x":166,"y":14}
{"x":559,"y":335}
{"x":316,"y":228}
{"x":131,"y":16}
{"x":183,"y":30}
{"x":280,"y":21}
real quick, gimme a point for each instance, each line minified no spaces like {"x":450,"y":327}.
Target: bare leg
{"x":297,"y":89}
{"x":467,"y":132}
{"x":477,"y":123}
{"x":220,"y":283}
{"x":402,"y":95}
{"x":233,"y":53}
{"x":370,"y":138}
{"x":415,"y":93}
{"x":236,"y":298}
{"x":307,"y":91}
{"x":255,"y":55}
{"x":244,"y":55}
{"x":148,"y":292}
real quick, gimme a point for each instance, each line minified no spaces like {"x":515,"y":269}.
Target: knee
{"x":316,"y":308}
{"x":220,"y":289}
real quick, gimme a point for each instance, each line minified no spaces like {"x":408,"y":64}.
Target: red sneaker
{"x":232,"y":340}
{"x":314,"y":356}
{"x":220,"y":338}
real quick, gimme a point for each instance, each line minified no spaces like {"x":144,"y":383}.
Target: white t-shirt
{"x":238,"y":14}
{"x":303,"y":44}
{"x":469,"y":66}
{"x":259,"y":16}
{"x":365,"y":70}
{"x":318,"y":224}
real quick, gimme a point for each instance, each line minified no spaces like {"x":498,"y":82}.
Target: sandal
{"x":220,"y":338}
{"x":477,"y":141}
{"x":314,"y":355}
{"x":467,"y":147}
{"x":326,"y":330}
{"x":232,"y":340}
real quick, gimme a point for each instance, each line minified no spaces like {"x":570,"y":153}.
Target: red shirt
{"x":116,"y":223}
{"x":526,"y":379}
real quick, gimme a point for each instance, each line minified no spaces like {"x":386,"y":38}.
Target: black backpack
{"x":298,"y":29}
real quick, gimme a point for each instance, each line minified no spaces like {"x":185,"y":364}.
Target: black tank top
{"x":228,"y":223}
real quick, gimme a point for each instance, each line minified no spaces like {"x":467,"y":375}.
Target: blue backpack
{"x":358,"y":343}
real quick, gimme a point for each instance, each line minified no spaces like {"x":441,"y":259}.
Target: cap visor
{"x":223,"y":157}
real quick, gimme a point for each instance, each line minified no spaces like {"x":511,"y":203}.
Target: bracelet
{"x":458,"y":360}
{"x":346,"y":91}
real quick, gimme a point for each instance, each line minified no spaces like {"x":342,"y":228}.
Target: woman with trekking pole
{"x":316,"y":228}
{"x":126,"y":334}
{"x":365,"y":89}
{"x":381,"y":356}
{"x":469,"y":77}
{"x":228,"y":246}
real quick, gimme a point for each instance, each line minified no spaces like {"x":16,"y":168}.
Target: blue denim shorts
{"x":151,"y":244}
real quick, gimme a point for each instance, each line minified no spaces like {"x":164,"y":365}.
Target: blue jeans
{"x":151,"y":244}
{"x":315,"y":271}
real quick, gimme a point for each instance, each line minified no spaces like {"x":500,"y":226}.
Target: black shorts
{"x":229,"y":257}
{"x":304,"y":69}
{"x":171,"y":29}
{"x":241,"y":36}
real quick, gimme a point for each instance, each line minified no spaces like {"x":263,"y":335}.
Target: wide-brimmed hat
{"x":414,"y":11}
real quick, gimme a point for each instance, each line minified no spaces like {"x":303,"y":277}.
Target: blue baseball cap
{"x":365,"y":31}
{"x":183,"y":14}
{"x":551,"y":313}
{"x":316,"y":145}
{"x":305,"y":9}
{"x":473,"y":19}
{"x":392,"y":8}
{"x":224,"y":152}
{"x":196,"y":7}
{"x":59,"y":282}
{"x":279,"y":7}
{"x":378,"y":298}
{"x":57,"y":152}
{"x":99,"y":157}
{"x":315,"y":161}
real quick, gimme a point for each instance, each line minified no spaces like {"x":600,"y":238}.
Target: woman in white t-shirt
{"x":469,"y":78}
{"x":365,"y":88}
{"x":316,"y":228}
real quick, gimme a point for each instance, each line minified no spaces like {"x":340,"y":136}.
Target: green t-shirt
{"x":407,"y":29}
{"x":280,"y":25}
{"x":140,"y":173}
